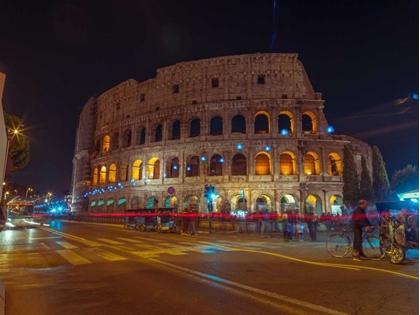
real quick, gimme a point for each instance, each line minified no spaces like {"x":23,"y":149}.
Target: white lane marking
{"x":130,"y":240}
{"x":105,"y":240}
{"x":72,"y":257}
{"x":66,"y":245}
{"x":105,"y":254}
{"x":210,"y":279}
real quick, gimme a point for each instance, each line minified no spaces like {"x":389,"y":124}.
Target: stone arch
{"x":176,"y":130}
{"x":216,"y":165}
{"x":239,"y":164}
{"x":263,"y":203}
{"x":106,"y":142}
{"x":238,"y":124}
{"x":239,"y":203}
{"x":193,"y":166}
{"x":192,"y":202}
{"x":137,"y":170}
{"x":152,"y":202}
{"x":216,"y":126}
{"x":335,"y":164}
{"x":124,"y":172}
{"x":314,"y":203}
{"x":286,"y":121}
{"x":135,"y":203}
{"x":309,"y":122}
{"x":110,"y":205}
{"x":261,"y":122}
{"x":172,"y":202}
{"x":140,"y":135}
{"x":95,"y":176}
{"x":288,"y":202}
{"x":158,"y":133}
{"x":102,"y":175}
{"x":287,"y":163}
{"x":263,"y":164}
{"x":126,"y":140}
{"x":311,"y":163}
{"x":101,"y":206}
{"x":115,"y":141}
{"x":112,"y":176}
{"x":122,"y":204}
{"x":195,"y":127}
{"x":172,"y":167}
{"x":153,"y":168}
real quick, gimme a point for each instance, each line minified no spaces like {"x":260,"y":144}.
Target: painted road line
{"x":43,"y":238}
{"x":146,"y":239}
{"x":66,"y":244}
{"x":72,"y":257}
{"x":105,"y":240}
{"x":105,"y":254}
{"x":145,"y":246}
{"x":130,"y":240}
{"x":240,"y":290}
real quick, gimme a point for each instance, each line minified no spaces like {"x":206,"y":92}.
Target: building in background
{"x":251,"y":125}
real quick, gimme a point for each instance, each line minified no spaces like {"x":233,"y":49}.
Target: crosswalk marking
{"x":147,"y":246}
{"x":72,"y":257}
{"x":146,"y":239}
{"x":66,"y":245}
{"x":105,"y":240}
{"x":106,"y":255}
{"x":128,"y":240}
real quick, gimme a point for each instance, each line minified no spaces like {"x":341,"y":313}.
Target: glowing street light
{"x":28,"y":190}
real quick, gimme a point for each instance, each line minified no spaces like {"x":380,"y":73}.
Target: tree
{"x":406,"y":179}
{"x":351,"y":183}
{"x":366,"y":187}
{"x":19,"y":150}
{"x":380,"y":177}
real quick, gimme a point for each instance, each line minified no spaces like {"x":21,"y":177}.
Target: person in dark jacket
{"x":359,"y":222}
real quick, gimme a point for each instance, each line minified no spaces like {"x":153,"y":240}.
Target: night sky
{"x":362,"y":55}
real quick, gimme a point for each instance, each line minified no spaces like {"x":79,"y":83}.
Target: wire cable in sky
{"x":275,"y":24}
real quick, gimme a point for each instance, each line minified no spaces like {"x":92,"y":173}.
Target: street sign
{"x":171,"y":190}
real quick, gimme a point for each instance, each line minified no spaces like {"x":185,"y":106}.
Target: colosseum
{"x":250,"y":125}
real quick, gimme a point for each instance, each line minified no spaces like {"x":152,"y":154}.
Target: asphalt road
{"x":74,"y":268}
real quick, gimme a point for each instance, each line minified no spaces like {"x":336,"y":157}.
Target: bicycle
{"x":340,"y":245}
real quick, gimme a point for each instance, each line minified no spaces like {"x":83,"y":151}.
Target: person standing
{"x":359,"y":222}
{"x":312,"y":223}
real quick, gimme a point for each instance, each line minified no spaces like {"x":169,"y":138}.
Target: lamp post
{"x":28,"y":190}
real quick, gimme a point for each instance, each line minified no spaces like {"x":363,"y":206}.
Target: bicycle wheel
{"x":338,"y":245}
{"x":371,"y":247}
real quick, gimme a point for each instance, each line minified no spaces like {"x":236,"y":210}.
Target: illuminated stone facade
{"x":250,"y":125}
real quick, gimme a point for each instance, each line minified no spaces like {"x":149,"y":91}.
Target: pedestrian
{"x":185,"y":221}
{"x":312,"y":223}
{"x":300,"y":228}
{"x":359,"y":222}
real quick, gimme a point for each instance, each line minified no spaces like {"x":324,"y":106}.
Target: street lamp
{"x":28,"y":190}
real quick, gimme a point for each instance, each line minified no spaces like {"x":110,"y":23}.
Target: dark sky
{"x":56,"y":54}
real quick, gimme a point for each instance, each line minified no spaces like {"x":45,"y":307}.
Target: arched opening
{"x":262,"y":164}
{"x":93,"y":206}
{"x":172,"y":168}
{"x":141,"y":136}
{"x":122,"y":204}
{"x":110,"y":205}
{"x":311,"y":164}
{"x":153,"y":171}
{"x":112,"y":174}
{"x":114,"y":141}
{"x":336,"y":203}
{"x":285,"y":122}
{"x":126,"y":141}
{"x":263,"y":204}
{"x":124,"y":172}
{"x":309,"y":123}
{"x":95,"y":176}
{"x":137,"y":170}
{"x":195,"y":127}
{"x":135,"y":203}
{"x":105,"y":144}
{"x":239,"y":124}
{"x":216,"y":126}
{"x":314,"y":204}
{"x":261,"y":123}
{"x":239,"y":166}
{"x":176,"y":130}
{"x":216,"y":165}
{"x":288,"y":202}
{"x":100,"y":207}
{"x":335,"y":167}
{"x":152,"y":203}
{"x":102,"y":175}
{"x":193,"y":167}
{"x":172,"y":202}
{"x":239,"y":203}
{"x":287,"y":163}
{"x":158,"y":133}
{"x":192,"y":203}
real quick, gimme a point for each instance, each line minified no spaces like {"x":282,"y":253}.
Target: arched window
{"x":311,"y":164}
{"x":193,"y":167}
{"x":105,"y":144}
{"x":102,"y":175}
{"x":153,"y":171}
{"x":195,"y":127}
{"x":140,"y":135}
{"x":216,"y":165}
{"x":262,"y":164}
{"x":95,"y":176}
{"x":126,"y":141}
{"x":216,"y":126}
{"x":124,"y":172}
{"x":335,"y":167}
{"x":287,"y":164}
{"x":309,"y":124}
{"x":112,"y":173}
{"x":176,"y":130}
{"x":261,"y":123}
{"x":158,"y":133}
{"x":114,"y":141}
{"x":285,"y":122}
{"x":238,"y":124}
{"x":172,"y":168}
{"x":239,"y":165}
{"x":137,"y":170}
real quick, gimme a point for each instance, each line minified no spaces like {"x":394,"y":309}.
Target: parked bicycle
{"x":341,"y":244}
